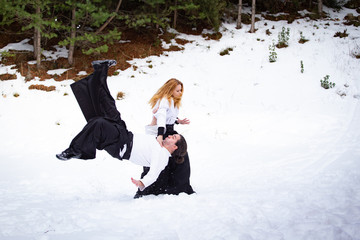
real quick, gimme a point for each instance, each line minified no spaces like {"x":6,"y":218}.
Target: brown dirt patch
{"x":7,"y":76}
{"x":42,"y":87}
{"x":133,"y":45}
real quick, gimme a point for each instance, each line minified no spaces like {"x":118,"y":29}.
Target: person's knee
{"x":98,"y":124}
{"x":98,"y":120}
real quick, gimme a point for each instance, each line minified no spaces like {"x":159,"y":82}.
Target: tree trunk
{"x":35,"y":43}
{"x":72,"y":36}
{"x":175,"y":15}
{"x":110,"y":19}
{"x":37,"y":39}
{"x":320,"y":8}
{"x":157,"y":16}
{"x":252,"y":29}
{"x":238,"y":23}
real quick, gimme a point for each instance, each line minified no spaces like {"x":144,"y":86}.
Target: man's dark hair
{"x":181,"y":150}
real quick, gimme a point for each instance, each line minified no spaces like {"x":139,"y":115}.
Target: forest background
{"x":94,"y":29}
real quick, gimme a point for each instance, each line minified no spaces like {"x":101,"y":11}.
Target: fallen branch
{"x":110,"y":19}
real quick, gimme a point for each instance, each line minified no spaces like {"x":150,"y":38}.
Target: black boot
{"x":110,"y":62}
{"x":138,"y":195}
{"x":68,"y":154}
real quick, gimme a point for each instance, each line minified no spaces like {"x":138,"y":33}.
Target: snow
{"x":57,"y":71}
{"x":22,"y":45}
{"x":52,"y":55}
{"x":273,"y":155}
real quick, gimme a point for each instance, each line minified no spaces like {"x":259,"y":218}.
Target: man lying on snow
{"x":106,"y":130}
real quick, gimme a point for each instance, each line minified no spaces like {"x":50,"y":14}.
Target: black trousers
{"x":93,"y":95}
{"x":104,"y":129}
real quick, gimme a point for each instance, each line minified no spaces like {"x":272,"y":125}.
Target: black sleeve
{"x":161,"y":131}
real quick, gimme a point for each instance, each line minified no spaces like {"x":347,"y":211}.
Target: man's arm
{"x":159,"y":160}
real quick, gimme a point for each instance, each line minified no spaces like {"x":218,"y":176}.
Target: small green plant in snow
{"x":273,"y":54}
{"x":325,"y":82}
{"x":284,"y":37}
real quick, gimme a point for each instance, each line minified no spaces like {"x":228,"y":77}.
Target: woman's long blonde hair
{"x":166,"y":91}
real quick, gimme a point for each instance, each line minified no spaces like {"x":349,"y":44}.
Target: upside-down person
{"x":105,"y":130}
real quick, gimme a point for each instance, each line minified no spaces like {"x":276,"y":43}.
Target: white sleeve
{"x":161,"y":112}
{"x":159,"y":161}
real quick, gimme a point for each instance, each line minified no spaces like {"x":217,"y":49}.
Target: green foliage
{"x":93,"y":43}
{"x":301,"y":66}
{"x":151,"y":13}
{"x":90,"y":15}
{"x":210,"y":10}
{"x":139,"y":21}
{"x":24,"y":13}
{"x":273,"y":54}
{"x":325,"y":82}
{"x":101,"y":49}
{"x":159,"y":13}
{"x":283,"y":38}
{"x":7,"y":12}
{"x":6,"y":54}
{"x":191,"y":11}
{"x":112,"y":35}
{"x":186,"y":6}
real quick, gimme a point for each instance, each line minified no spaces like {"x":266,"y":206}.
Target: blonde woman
{"x":165,"y":105}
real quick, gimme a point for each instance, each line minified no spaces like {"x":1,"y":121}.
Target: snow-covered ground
{"x":273,"y":154}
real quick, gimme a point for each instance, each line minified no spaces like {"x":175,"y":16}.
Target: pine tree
{"x":84,"y":18}
{"x":33,"y":15}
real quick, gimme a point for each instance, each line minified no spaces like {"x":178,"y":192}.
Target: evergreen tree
{"x":83,"y":23}
{"x":32,"y":15}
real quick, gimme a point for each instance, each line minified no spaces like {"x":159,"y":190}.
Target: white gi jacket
{"x":166,"y":114}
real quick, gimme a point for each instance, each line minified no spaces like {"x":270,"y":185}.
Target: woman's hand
{"x":153,"y":121}
{"x":183,"y":121}
{"x":160,"y":140}
{"x":155,"y":110}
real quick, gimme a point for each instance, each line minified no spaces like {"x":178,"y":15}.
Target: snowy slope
{"x":273,"y":155}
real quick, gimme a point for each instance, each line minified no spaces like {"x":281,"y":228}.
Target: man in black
{"x":106,"y":130}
